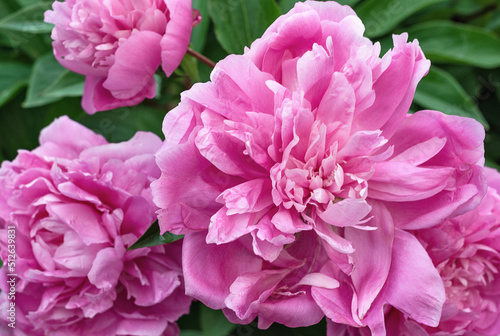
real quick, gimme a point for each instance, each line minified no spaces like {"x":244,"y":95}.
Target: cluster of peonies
{"x":118,"y":45}
{"x":303,"y":187}
{"x":466,"y":252}
{"x":76,"y":204}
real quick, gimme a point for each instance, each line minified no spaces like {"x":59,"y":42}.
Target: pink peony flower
{"x":466,"y":252}
{"x":118,"y":45}
{"x":296,"y":172}
{"x":76,"y":204}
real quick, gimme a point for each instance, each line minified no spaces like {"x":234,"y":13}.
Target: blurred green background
{"x":460,"y":37}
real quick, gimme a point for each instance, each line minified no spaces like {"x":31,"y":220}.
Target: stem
{"x":202,"y":58}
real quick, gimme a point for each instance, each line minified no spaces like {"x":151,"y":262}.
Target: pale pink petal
{"x":395,"y":87}
{"x":70,"y":135}
{"x":372,"y":257}
{"x":106,"y":269}
{"x":414,"y":285}
{"x":175,"y":42}
{"x":136,"y":61}
{"x":248,"y":291}
{"x":210,"y":270}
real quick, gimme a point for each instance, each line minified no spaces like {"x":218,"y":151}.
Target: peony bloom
{"x":77,"y":203}
{"x":118,"y":45}
{"x":296,"y":174}
{"x":466,"y":252}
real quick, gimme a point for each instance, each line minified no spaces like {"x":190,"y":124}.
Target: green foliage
{"x":50,"y":81}
{"x":14,"y":76}
{"x":28,"y":19}
{"x":381,"y":16}
{"x":239,"y":22}
{"x":199,"y":34}
{"x":447,"y":42}
{"x":152,"y":237}
{"x":442,"y":92}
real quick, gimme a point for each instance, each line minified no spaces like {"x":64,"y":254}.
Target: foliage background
{"x":460,"y":37}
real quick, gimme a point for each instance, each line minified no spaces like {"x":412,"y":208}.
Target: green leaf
{"x":444,"y":41}
{"x":491,"y":164}
{"x":14,"y":77}
{"x":381,"y":16}
{"x":152,"y":237}
{"x":239,"y":22}
{"x":214,"y":323}
{"x":189,"y":65}
{"x":28,"y":19}
{"x":199,"y":34}
{"x":70,"y":84}
{"x":50,"y":81}
{"x":7,"y":7}
{"x":442,"y":92}
{"x":467,"y":7}
{"x":71,"y":90}
{"x":191,"y":333}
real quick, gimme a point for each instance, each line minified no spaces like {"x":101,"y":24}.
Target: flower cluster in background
{"x":306,"y":181}
{"x":77,"y":203}
{"x":118,"y":45}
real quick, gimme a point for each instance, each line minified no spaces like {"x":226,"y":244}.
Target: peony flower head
{"x":118,"y":45}
{"x":466,"y":252}
{"x":296,"y":173}
{"x":76,"y":203}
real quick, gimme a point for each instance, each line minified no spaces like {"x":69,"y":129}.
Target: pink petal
{"x":209,"y":270}
{"x":226,"y":228}
{"x":97,"y":98}
{"x":251,"y":196}
{"x":395,"y":88}
{"x":347,"y":212}
{"x":293,"y":312}
{"x":414,"y":286}
{"x":338,"y":304}
{"x":83,"y":219}
{"x":401,"y":181}
{"x":140,"y":143}
{"x":106,"y":269}
{"x":70,"y":136}
{"x":372,"y":258}
{"x":250,"y":290}
{"x":175,"y":42}
{"x":136,"y":61}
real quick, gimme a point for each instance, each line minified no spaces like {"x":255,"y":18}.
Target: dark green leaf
{"x":122,"y":123}
{"x":28,"y":20}
{"x":492,"y":164}
{"x":70,"y":90}
{"x":14,"y":77}
{"x":191,"y":333}
{"x":214,"y":323}
{"x":239,"y":22}
{"x":190,"y":67}
{"x":152,"y":237}
{"x":380,"y":16}
{"x":199,"y":34}
{"x":442,"y":92}
{"x":467,"y":7}
{"x":7,"y":7}
{"x":444,"y":41}
{"x":50,"y":81}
